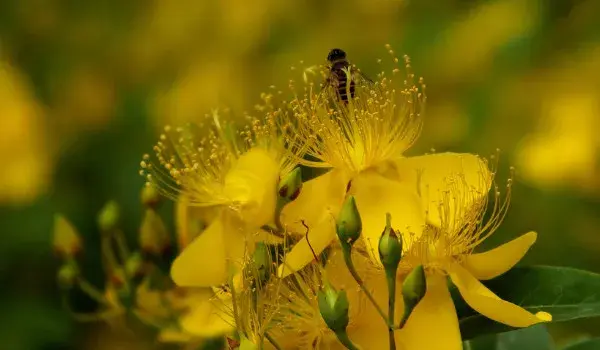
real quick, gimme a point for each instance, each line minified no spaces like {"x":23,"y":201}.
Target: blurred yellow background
{"x":85,"y":87}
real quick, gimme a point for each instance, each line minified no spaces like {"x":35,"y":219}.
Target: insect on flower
{"x":343,"y":76}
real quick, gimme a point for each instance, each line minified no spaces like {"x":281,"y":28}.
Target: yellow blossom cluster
{"x":288,"y":264}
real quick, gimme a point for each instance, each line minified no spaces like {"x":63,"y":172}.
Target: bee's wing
{"x":329,"y":87}
{"x":360,"y":78}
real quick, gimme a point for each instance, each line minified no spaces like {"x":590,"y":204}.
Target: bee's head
{"x":336,"y":54}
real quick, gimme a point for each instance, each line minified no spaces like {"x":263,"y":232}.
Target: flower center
{"x":378,"y":123}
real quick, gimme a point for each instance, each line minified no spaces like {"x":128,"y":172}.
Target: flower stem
{"x":122,"y":247}
{"x":92,"y":291}
{"x":345,"y":340}
{"x":391,"y":283}
{"x":348,"y":260}
{"x":234,"y":302}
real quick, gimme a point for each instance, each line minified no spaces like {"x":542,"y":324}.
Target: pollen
{"x":380,"y":120}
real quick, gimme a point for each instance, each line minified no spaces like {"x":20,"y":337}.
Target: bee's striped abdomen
{"x":338,"y":70}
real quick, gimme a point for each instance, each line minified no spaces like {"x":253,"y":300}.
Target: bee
{"x":339,"y":72}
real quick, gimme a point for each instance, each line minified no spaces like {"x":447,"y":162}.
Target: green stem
{"x":391,"y":283}
{"x":278,"y":222}
{"x":272,"y":341}
{"x":108,"y":255}
{"x":234,"y":302}
{"x":361,"y":284}
{"x":92,"y":291}
{"x":122,"y":246}
{"x":345,"y":340}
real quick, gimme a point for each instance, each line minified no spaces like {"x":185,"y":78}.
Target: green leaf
{"x":586,"y":344}
{"x":564,"y":292}
{"x":532,"y":338}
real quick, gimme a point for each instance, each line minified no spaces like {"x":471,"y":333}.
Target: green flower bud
{"x":109,"y":216}
{"x":334,"y":306}
{"x":154,"y":238}
{"x":390,"y":246}
{"x":247,"y":344}
{"x":135,"y":266}
{"x":262,"y":262}
{"x":290,"y":185}
{"x":67,"y":275}
{"x":413,"y":290}
{"x":66,"y":241}
{"x":349,"y":224}
{"x":150,"y":196}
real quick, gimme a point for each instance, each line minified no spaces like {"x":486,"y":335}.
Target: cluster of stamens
{"x":463,"y":209}
{"x":196,"y":159}
{"x":378,"y":122}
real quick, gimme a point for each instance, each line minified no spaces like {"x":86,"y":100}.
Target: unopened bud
{"x":150,"y":196}
{"x":118,"y":278}
{"x":67,"y":275}
{"x":247,"y":344}
{"x":349,"y":224}
{"x":154,"y":238}
{"x":134,"y":266}
{"x":334,"y":307}
{"x":390,"y":247}
{"x":66,"y":242}
{"x":120,"y":285}
{"x":109,"y":216}
{"x":413,"y":290}
{"x":291,"y":185}
{"x":262,"y":262}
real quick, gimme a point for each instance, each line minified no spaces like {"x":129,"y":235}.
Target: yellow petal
{"x":433,"y":324}
{"x":208,"y":317}
{"x":487,"y":265}
{"x":150,"y":303}
{"x":431,"y":173}
{"x":190,"y":220}
{"x":375,"y":196}
{"x":320,"y":196}
{"x":484,"y":301}
{"x":208,"y":259}
{"x":174,"y":335}
{"x":303,"y":252}
{"x":252,"y":182}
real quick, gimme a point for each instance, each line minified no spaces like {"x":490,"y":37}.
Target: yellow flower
{"x":447,"y":250}
{"x":231,"y":175}
{"x":165,"y":310}
{"x":363,"y":142}
{"x":247,"y":306}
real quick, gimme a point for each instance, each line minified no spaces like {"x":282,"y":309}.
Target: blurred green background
{"x":86,"y":86}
